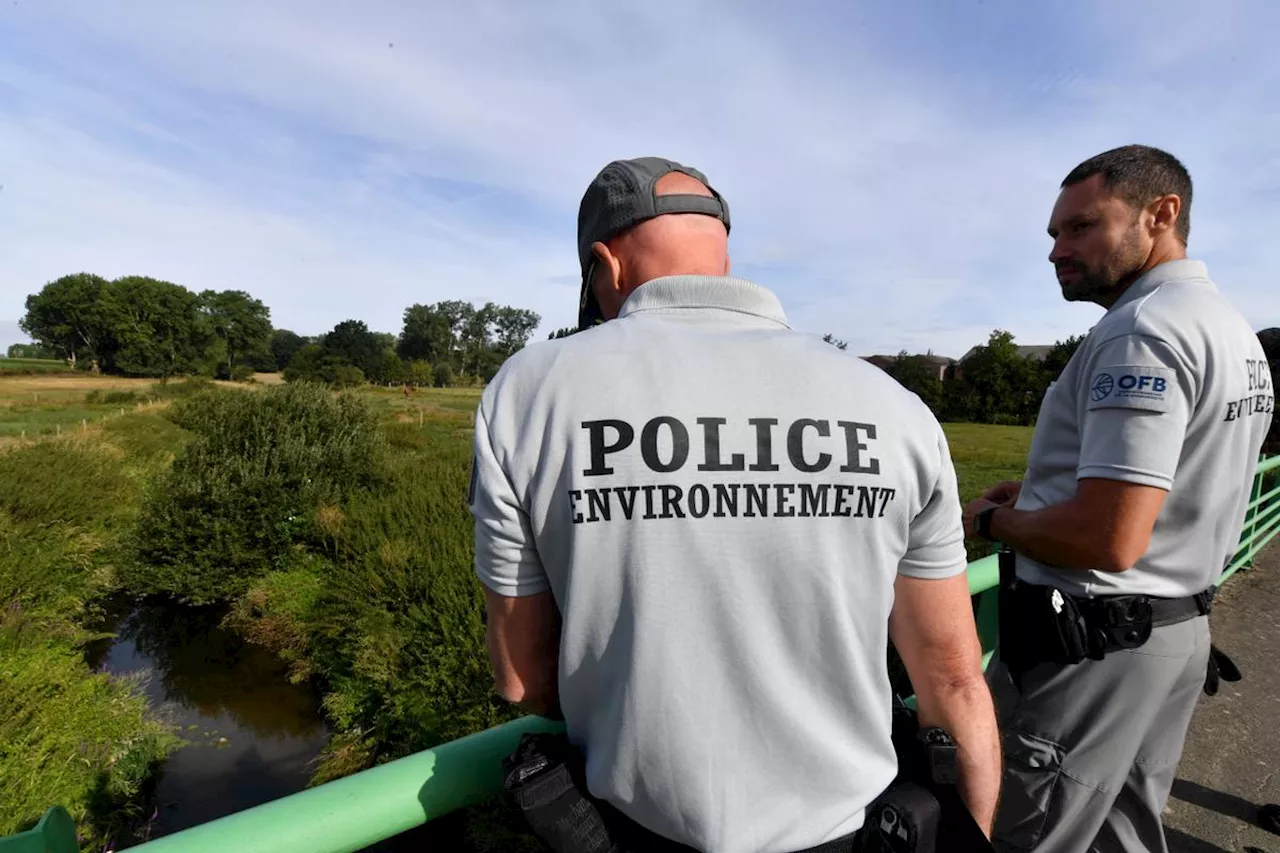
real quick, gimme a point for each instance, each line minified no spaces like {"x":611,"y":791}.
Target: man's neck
{"x":1159,"y":255}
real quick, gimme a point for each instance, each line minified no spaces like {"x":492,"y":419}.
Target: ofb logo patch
{"x":1102,"y":386}
{"x":1133,"y":386}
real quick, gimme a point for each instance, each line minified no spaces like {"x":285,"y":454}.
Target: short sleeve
{"x":935,"y":541}
{"x":1138,"y":400}
{"x":506,"y":559}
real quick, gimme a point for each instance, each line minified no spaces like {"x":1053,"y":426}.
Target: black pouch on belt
{"x":546,"y":778}
{"x":1040,"y":624}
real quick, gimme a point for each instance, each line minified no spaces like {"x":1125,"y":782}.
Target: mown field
{"x":334,"y":525}
{"x":23,"y":366}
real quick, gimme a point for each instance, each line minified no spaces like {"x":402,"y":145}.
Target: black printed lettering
{"x":867,"y":501}
{"x":813,"y":499}
{"x":711,"y":448}
{"x":679,"y":445}
{"x":853,"y":463}
{"x":764,"y":500}
{"x":726,"y":496}
{"x":595,"y":432}
{"x":699,"y":500}
{"x":598,"y":500}
{"x":841,"y":509}
{"x":1231,"y":411}
{"x":795,"y":445}
{"x":764,"y":444}
{"x":671,"y":501}
{"x":628,"y":506}
{"x":759,"y":496}
{"x":784,"y":491}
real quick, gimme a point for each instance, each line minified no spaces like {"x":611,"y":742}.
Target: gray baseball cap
{"x":623,"y":195}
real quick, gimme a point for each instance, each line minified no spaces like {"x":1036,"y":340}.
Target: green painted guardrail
{"x":367,"y":807}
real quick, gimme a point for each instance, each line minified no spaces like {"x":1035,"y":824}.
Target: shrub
{"x":242,"y":495}
{"x":347,"y":376}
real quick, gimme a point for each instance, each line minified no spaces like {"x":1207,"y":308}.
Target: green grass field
{"x":25,"y":366}
{"x":374,"y":597}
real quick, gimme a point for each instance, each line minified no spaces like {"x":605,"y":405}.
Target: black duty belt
{"x":1043,"y":624}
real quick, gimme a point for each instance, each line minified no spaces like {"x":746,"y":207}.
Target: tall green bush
{"x":242,"y":496}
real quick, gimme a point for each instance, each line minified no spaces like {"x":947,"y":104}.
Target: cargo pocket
{"x":1033,"y":766}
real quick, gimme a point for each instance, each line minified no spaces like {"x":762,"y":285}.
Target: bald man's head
{"x":642,"y":219}
{"x":669,"y":244}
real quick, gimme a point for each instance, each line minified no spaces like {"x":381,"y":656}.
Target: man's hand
{"x":970,"y":514}
{"x":1003,"y":493}
{"x":933,"y":630}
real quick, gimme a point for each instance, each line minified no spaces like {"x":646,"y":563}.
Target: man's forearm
{"x":1059,"y":535}
{"x":967,"y":713}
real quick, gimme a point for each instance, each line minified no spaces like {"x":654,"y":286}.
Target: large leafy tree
{"x":66,"y":316}
{"x":241,"y":323}
{"x":918,"y":374}
{"x":353,"y":344}
{"x":427,"y":334}
{"x":153,"y":328}
{"x":284,"y":344}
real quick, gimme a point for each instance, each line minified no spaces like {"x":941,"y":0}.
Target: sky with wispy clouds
{"x":890,"y":166}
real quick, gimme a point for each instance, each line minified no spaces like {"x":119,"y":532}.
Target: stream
{"x":252,"y":735}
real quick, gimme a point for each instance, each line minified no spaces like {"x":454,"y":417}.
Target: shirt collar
{"x":1182,"y":270}
{"x":724,"y":293}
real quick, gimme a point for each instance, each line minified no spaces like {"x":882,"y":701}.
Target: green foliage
{"x":65,"y":315}
{"x":284,"y":344}
{"x":33,"y":351}
{"x":398,"y":628}
{"x":242,"y":325}
{"x":563,"y":333}
{"x":67,"y":736}
{"x":352,"y":344}
{"x":443,"y":375}
{"x":919,"y":375}
{"x":473,"y":341}
{"x":86,"y":742}
{"x":834,"y":341}
{"x":996,"y":385}
{"x":244,"y":493}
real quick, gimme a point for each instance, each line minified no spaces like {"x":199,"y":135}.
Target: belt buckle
{"x":1128,"y":610}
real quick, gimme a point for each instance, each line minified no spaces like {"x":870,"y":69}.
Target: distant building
{"x":1033,"y":352}
{"x":939,"y":362}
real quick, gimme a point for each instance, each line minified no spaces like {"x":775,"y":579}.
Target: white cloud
{"x":291,"y":149}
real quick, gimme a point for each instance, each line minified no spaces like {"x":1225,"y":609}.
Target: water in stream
{"x":253,"y":735}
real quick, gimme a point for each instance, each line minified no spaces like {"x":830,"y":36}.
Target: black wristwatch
{"x":982,"y":523}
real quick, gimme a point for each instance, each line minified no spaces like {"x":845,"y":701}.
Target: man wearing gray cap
{"x":697,"y":529}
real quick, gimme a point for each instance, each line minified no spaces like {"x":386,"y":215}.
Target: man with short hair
{"x":697,"y":529}
{"x":1133,"y":499}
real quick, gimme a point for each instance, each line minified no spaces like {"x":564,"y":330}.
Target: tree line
{"x":994,"y":384}
{"x":141,"y":326}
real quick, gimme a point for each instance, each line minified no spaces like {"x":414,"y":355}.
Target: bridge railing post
{"x":1251,"y":514}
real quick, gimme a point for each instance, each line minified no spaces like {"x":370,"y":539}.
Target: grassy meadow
{"x":335,"y":525}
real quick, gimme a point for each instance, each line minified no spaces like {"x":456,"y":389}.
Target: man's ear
{"x":1164,"y":213}
{"x":606,"y":281}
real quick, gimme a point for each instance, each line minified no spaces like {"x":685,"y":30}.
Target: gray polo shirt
{"x":720,"y":505}
{"x":1170,"y":389}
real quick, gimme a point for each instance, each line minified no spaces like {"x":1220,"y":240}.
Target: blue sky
{"x":890,"y":166}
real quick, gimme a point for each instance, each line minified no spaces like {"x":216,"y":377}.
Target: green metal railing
{"x":367,"y":807}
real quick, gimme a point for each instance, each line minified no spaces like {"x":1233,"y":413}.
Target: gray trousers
{"x":1091,"y":750}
